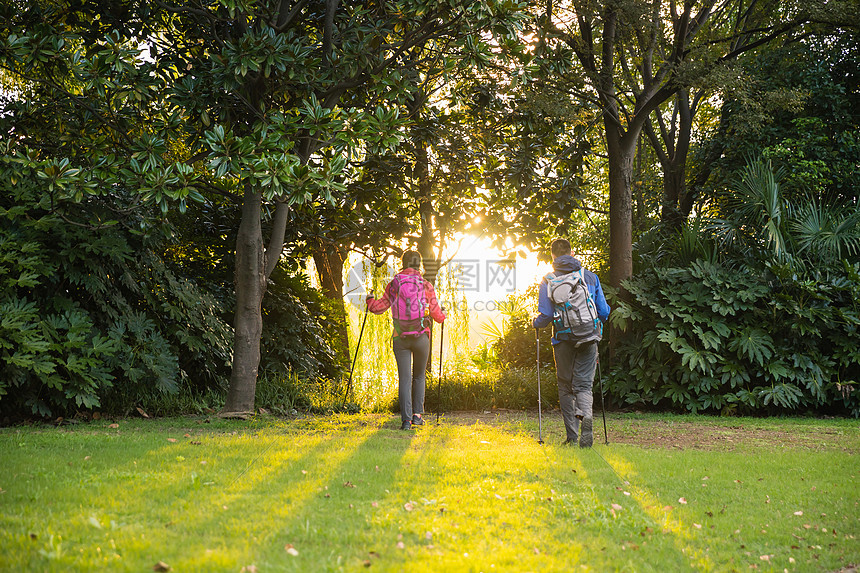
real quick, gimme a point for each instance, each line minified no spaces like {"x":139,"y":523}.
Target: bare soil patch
{"x":684,"y":432}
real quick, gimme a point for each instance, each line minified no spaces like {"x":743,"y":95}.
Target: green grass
{"x":349,"y":492}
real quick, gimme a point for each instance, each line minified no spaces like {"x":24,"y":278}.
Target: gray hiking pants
{"x":411,"y":354}
{"x":574,"y":369}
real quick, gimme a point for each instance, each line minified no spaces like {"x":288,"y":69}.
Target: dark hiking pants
{"x":411,"y":354}
{"x":575,"y":373}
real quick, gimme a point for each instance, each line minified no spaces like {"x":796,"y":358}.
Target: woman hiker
{"x":413,"y":303}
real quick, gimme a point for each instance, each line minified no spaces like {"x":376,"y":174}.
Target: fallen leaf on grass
{"x":798,"y":513}
{"x":366,"y":563}
{"x":408,"y":506}
{"x":349,"y":484}
{"x":113,"y":425}
{"x":374,"y":504}
{"x":142,"y":413}
{"x":400,"y":545}
{"x":249,"y":569}
{"x":697,"y":525}
{"x":617,"y":507}
{"x":682,"y":500}
{"x":291,"y":550}
{"x":161,"y":566}
{"x":171,"y":439}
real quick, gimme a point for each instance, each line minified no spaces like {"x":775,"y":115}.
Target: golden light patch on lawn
{"x":663,"y":514}
{"x":472,"y":498}
{"x":298,"y":468}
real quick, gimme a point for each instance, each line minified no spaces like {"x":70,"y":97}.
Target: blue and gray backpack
{"x":575,"y":313}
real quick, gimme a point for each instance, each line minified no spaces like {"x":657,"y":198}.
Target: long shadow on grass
{"x":363,"y":485}
{"x":294,"y":489}
{"x":250,"y":483}
{"x":144,"y":492}
{"x":607,"y":465}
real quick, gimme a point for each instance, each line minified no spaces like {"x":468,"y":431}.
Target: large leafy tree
{"x":630,"y":57}
{"x":258,"y":102}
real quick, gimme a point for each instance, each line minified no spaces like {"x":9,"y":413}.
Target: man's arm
{"x":600,"y":302}
{"x":545,"y":310}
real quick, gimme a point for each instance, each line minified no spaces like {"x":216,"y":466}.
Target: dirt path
{"x":696,"y":433}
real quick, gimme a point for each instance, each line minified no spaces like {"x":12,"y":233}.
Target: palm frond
{"x":826,"y":231}
{"x":757,"y":204}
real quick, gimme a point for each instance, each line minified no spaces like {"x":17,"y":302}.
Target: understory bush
{"x":90,"y":312}
{"x":465,"y":388}
{"x":706,"y":337}
{"x":299,"y":329}
{"x":107,"y":306}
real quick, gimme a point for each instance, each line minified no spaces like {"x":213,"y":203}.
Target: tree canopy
{"x":181,"y":150}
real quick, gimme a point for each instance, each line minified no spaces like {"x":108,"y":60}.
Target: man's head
{"x":411,"y":260}
{"x":560,"y":247}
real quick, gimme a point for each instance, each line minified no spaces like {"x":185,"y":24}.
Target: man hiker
{"x":413,"y":303}
{"x":571,"y":299}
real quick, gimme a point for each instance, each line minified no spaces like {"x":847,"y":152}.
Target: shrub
{"x":709,"y":338}
{"x":89,"y":309}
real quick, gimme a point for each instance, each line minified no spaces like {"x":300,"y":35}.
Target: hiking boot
{"x":586,"y":437}
{"x":407,"y":425}
{"x":417,"y":420}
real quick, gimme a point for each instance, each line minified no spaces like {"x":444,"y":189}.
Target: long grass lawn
{"x":354,"y":492}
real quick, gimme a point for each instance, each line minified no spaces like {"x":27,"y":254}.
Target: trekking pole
{"x":355,"y":356}
{"x":602,"y":400}
{"x":439,"y":381}
{"x":540,"y":415}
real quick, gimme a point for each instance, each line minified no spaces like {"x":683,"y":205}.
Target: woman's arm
{"x":380,"y":305}
{"x":435,"y":310}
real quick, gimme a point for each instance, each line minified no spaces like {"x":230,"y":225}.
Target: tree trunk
{"x":622,"y":150}
{"x":673,"y":153}
{"x":250,"y":281}
{"x":329,"y":260}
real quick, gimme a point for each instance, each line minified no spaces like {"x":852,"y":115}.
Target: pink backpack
{"x":409,"y":306}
